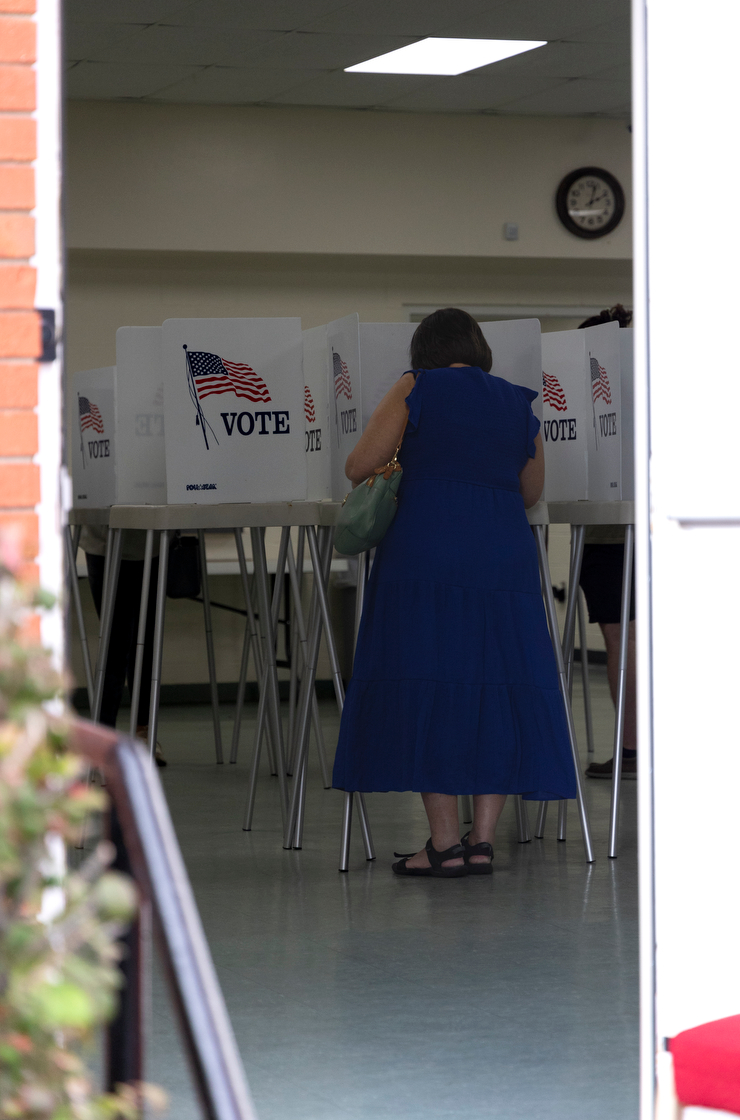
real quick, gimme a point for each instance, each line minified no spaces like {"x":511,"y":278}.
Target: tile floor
{"x":367,"y":997}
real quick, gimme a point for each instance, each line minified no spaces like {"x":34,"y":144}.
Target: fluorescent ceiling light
{"x":445,"y":56}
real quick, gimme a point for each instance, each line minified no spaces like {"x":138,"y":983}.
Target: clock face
{"x":590,"y":202}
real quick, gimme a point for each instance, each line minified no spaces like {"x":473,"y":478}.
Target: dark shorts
{"x":601,"y":580}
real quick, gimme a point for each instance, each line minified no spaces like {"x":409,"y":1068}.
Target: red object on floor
{"x":706,"y":1063}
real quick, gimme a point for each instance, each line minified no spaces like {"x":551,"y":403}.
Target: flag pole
{"x":593,"y":402}
{"x":200,"y":418}
{"x":82,"y":438}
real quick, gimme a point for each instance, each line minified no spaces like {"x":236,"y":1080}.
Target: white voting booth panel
{"x":345,"y":397}
{"x":581,"y":414}
{"x":234,"y":410}
{"x":516,"y":346}
{"x":333,"y":405}
{"x":92,"y":438}
{"x":141,"y":477}
{"x":316,"y":414}
{"x":626,"y":362}
{"x":384,"y":357}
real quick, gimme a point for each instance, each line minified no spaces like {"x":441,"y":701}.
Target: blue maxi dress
{"x":455,"y":687}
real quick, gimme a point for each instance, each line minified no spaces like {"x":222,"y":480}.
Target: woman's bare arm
{"x":377,"y":443}
{"x":532,"y":478}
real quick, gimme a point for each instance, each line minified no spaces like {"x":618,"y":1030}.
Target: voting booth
{"x":384,"y":357}
{"x":332,"y":405}
{"x":581,"y":414}
{"x":93,"y":438}
{"x":316,"y":414}
{"x":516,"y":347}
{"x":234,"y":410}
{"x":141,"y":477}
{"x":626,"y":361}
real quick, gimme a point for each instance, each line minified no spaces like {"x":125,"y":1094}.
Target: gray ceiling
{"x":293,"y":52}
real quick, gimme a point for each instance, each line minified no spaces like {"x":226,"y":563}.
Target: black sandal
{"x":482,"y":849}
{"x":436,"y":860}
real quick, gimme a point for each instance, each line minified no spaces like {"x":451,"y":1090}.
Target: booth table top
{"x":238,"y":515}
{"x":270,"y":514}
{"x":591,"y":513}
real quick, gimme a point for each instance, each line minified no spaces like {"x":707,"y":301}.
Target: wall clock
{"x":590,"y":202}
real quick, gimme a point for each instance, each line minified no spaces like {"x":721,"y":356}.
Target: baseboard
{"x":175,"y":695}
{"x":595,"y":656}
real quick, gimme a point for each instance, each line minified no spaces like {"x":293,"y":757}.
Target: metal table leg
{"x":70,"y":539}
{"x":466,"y":808}
{"x":583,"y":639}
{"x":107,"y":610}
{"x":141,"y":633}
{"x":250,"y":633}
{"x":562,"y":819}
{"x":541,"y":820}
{"x":304,"y":708}
{"x":301,"y":640}
{"x":578,"y":537}
{"x":209,"y":647}
{"x":522,"y":820}
{"x":629,"y":547}
{"x":564,"y":690}
{"x":164,"y":555}
{"x":273,"y":695}
{"x":334,"y":660}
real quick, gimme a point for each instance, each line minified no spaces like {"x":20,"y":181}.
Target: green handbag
{"x":369,"y":509}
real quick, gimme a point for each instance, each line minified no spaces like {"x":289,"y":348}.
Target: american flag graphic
{"x":552,"y":393}
{"x":214,"y":375}
{"x":600,"y":388}
{"x":90,"y":416}
{"x":308,"y":406}
{"x":342,"y":383}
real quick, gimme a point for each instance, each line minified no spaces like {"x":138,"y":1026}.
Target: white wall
{"x":109,"y":289}
{"x":236,"y":179}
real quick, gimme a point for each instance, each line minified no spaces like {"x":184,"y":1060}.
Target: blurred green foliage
{"x":59,"y":929}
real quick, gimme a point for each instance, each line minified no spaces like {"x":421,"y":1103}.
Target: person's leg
{"x":487,"y":809}
{"x":611,"y":632}
{"x":441,"y":809}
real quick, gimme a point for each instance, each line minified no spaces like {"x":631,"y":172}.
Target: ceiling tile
{"x":614,"y":74}
{"x":616,"y":31}
{"x":471,"y":93}
{"x":103,"y":81}
{"x":233,"y":85}
{"x":582,"y":97}
{"x":257,"y":15}
{"x":300,"y":50}
{"x":565,"y":59}
{"x":122,"y":11}
{"x":357,"y":91}
{"x":189,"y":46}
{"x":397,"y":17}
{"x":86,"y":40}
{"x":541,"y":19}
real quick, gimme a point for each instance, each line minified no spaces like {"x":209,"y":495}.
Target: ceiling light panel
{"x":445,"y":56}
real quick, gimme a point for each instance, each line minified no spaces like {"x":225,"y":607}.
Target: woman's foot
{"x":421,"y":860}
{"x":478,"y":854}
{"x":445,"y":864}
{"x":142,"y":732}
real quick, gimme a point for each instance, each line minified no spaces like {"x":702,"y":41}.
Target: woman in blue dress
{"x":454,"y":689}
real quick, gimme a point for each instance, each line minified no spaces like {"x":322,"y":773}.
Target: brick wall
{"x":20,"y":341}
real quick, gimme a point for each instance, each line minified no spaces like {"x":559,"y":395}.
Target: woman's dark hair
{"x":616,"y":314}
{"x":448,"y":336}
